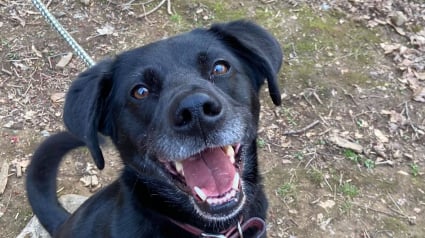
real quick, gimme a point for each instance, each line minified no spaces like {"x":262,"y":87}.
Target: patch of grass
{"x":315,"y":176}
{"x":261,"y":143}
{"x":289,"y":115}
{"x":176,"y":18}
{"x":360,"y":123}
{"x":4,"y":42}
{"x":299,"y":155}
{"x":12,"y":56}
{"x":414,"y":169}
{"x":321,"y":142}
{"x":286,"y":189}
{"x":370,"y":164}
{"x":349,"y":190}
{"x":346,"y":207}
{"x":352,"y":156}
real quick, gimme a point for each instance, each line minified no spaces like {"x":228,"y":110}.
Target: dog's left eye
{"x":221,"y":67}
{"x":140,"y":92}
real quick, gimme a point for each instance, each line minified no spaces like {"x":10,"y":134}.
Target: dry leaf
{"x":419,"y":94}
{"x":344,"y":143}
{"x":380,"y":135}
{"x":57,"y":97}
{"x":389,"y":48}
{"x":403,"y":173}
{"x":107,"y":29}
{"x":20,"y":20}
{"x":419,"y":75}
{"x":90,"y":181}
{"x":286,"y":161}
{"x":64,"y":61}
{"x":413,"y":83}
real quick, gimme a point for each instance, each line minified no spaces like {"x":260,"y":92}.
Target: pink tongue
{"x":211,"y":171}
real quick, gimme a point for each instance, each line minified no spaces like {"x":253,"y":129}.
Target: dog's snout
{"x":196,"y":109}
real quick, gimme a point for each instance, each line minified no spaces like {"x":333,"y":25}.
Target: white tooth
{"x":179,"y":167}
{"x":232,"y":159}
{"x":200,"y":193}
{"x":229,"y":151}
{"x":236,"y":182}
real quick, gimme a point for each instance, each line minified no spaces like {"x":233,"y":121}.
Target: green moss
{"x":223,"y":11}
{"x":322,"y":39}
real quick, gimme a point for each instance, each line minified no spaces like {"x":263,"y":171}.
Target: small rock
{"x":45,"y":133}
{"x":94,"y":181}
{"x":86,"y":181}
{"x":33,"y":229}
{"x":9,"y":124}
{"x":293,"y":211}
{"x":398,"y":18}
{"x":85,"y":2}
{"x":412,"y":220}
{"x":327,"y":204}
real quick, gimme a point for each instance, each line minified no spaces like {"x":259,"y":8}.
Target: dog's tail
{"x":41,"y":179}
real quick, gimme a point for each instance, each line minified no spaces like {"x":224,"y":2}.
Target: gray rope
{"x":59,"y":28}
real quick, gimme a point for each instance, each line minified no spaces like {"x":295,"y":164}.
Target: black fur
{"x":189,"y":110}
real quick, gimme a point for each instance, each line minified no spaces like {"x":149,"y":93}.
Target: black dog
{"x":183,"y":114}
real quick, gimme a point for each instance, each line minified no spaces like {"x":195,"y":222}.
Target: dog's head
{"x":183,"y":113}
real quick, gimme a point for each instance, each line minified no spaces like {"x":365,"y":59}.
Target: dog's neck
{"x":254,"y":224}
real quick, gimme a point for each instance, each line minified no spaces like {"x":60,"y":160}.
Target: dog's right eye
{"x":139,"y":92}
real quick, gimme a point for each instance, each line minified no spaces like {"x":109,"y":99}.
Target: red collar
{"x":236,"y":231}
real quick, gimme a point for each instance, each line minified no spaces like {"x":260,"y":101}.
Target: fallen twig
{"x":145,"y":14}
{"x":302,"y":130}
{"x":375,"y":210}
{"x":406,"y":111}
{"x":4,"y":176}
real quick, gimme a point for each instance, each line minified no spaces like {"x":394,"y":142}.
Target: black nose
{"x":197,"y":110}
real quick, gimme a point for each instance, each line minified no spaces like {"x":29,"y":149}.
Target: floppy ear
{"x":256,"y":46}
{"x":85,"y":107}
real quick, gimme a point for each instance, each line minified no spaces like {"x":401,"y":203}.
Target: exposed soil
{"x":354,"y":69}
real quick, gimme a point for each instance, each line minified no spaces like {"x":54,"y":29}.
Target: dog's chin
{"x":212,"y":179}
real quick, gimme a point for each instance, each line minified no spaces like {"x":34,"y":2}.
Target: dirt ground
{"x":344,"y":156}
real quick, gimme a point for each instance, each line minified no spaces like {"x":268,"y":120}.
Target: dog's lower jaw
{"x":222,"y":218}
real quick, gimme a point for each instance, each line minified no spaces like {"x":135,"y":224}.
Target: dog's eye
{"x":220,"y":67}
{"x":140,"y":92}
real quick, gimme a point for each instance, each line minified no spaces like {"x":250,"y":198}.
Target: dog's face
{"x":183,"y":113}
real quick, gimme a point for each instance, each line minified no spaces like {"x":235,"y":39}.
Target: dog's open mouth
{"x":212,"y":176}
